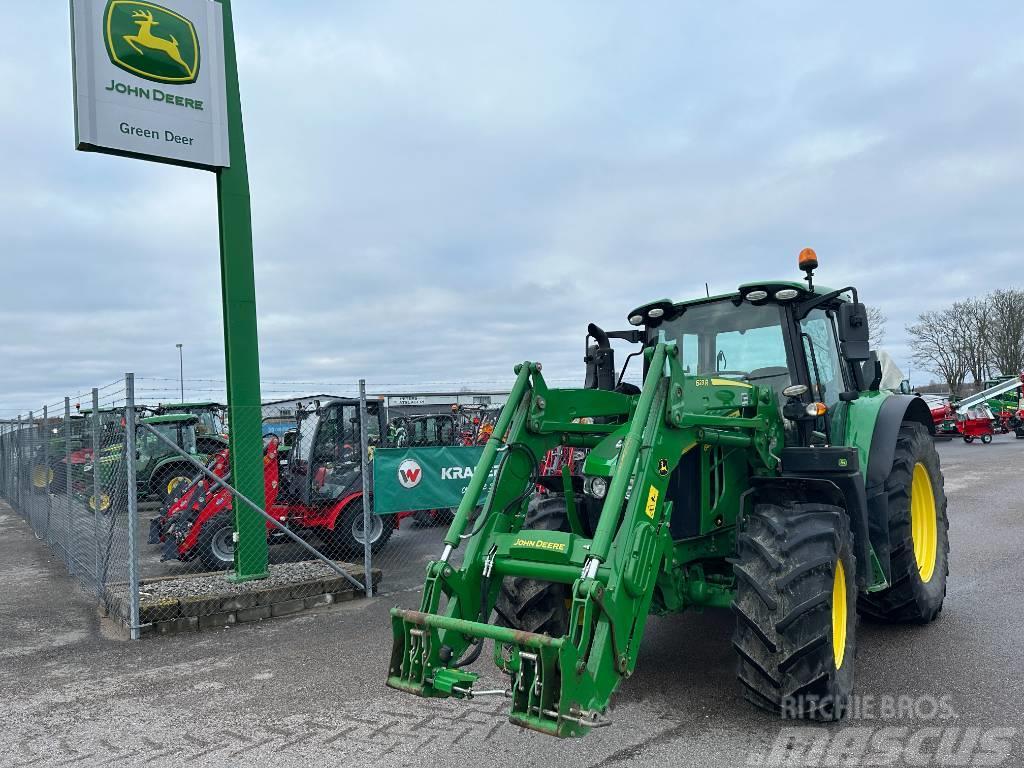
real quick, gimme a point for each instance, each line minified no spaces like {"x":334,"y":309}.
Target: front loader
{"x":759,"y":467}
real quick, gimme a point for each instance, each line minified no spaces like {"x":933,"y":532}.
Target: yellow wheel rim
{"x":42,"y":477}
{"x":839,"y":616}
{"x":104,"y":502}
{"x":174,"y":483}
{"x":923,"y":523}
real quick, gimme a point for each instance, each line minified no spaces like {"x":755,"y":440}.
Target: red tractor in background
{"x":319,"y":491}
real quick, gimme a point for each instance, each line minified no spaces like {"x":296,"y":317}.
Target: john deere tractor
{"x":757,"y":468}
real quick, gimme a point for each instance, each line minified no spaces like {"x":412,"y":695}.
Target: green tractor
{"x":158,"y":470}
{"x":759,"y":468}
{"x":49,"y":462}
{"x":211,"y":427}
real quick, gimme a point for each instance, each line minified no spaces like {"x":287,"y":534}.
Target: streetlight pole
{"x":181,"y":372}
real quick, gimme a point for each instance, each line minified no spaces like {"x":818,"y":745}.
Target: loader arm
{"x":558,"y":685}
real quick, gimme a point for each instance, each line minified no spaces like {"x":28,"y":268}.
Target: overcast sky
{"x":442,"y":189}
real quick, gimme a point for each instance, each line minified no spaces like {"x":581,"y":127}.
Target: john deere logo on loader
{"x":151,"y":41}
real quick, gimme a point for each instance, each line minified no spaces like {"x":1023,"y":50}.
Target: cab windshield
{"x":210,"y":423}
{"x":182,"y":435}
{"x":720,"y":338}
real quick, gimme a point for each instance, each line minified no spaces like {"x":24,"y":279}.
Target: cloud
{"x":442,"y":190}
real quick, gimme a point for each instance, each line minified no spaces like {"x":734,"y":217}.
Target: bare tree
{"x":974,"y":318}
{"x":1006,"y":336}
{"x":876,"y":326}
{"x":937,"y":343}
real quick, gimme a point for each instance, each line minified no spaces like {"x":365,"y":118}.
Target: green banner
{"x":407,"y":479}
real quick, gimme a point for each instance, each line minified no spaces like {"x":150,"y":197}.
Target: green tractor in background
{"x":759,"y":468}
{"x":49,"y":462}
{"x":211,"y":427}
{"x":158,"y":470}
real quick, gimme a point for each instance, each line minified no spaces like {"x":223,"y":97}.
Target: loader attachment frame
{"x":559,"y":685}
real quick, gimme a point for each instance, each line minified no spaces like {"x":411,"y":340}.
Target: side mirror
{"x":853,"y":331}
{"x":905,"y":387}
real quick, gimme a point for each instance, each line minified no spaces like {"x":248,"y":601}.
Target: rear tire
{"x":968,"y":439}
{"x":530,"y":605}
{"x":918,"y":588}
{"x":170,"y":481}
{"x":795,"y":619}
{"x":986,"y":439}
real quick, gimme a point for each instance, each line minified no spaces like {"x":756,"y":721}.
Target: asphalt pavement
{"x":310,"y":690}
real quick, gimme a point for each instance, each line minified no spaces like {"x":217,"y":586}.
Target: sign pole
{"x":241,"y":350}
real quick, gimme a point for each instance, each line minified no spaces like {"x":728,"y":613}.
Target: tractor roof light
{"x":786,"y":294}
{"x":817,"y":409}
{"x":636,"y":320}
{"x":757,"y":296}
{"x":808,"y":261}
{"x":655,"y":313}
{"x":794,"y":390}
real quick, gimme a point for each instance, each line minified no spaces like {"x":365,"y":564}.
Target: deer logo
{"x":151,"y":41}
{"x":147,"y":39}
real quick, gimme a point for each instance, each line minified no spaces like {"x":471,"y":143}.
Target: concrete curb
{"x":218,"y":607}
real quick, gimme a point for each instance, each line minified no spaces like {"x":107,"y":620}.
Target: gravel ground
{"x":309,"y":690}
{"x":281,"y":575}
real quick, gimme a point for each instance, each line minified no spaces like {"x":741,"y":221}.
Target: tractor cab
{"x":806,"y":344}
{"x":210,"y":427}
{"x":324,"y":461}
{"x":422,"y":430}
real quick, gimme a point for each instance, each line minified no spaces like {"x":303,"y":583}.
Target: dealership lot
{"x":290,"y":692}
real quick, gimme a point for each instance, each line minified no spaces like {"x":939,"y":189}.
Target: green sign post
{"x":159,"y":81}
{"x":241,"y":338}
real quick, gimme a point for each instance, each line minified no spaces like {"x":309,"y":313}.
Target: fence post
{"x":17,"y":466}
{"x":67,"y":484}
{"x":133,"y":509}
{"x":29,"y":513}
{"x":47,"y":469}
{"x":367,"y":489}
{"x":96,"y":503}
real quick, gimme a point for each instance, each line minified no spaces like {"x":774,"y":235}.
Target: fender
{"x":331,"y":515}
{"x":172,"y":461}
{"x":890,"y":415}
{"x":840,"y":489}
{"x":894,"y":411}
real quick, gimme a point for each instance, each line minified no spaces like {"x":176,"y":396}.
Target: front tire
{"x":528,"y":604}
{"x":348,"y":536}
{"x":215,"y":545}
{"x":795,"y":619}
{"x":986,"y":439}
{"x":918,"y":533}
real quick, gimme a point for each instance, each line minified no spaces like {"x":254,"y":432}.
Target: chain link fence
{"x":132,"y":486}
{"x":62,"y":468}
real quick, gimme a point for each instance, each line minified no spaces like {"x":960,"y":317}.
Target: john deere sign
{"x":149,"y":79}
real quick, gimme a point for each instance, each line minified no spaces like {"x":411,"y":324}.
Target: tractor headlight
{"x":596,"y":487}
